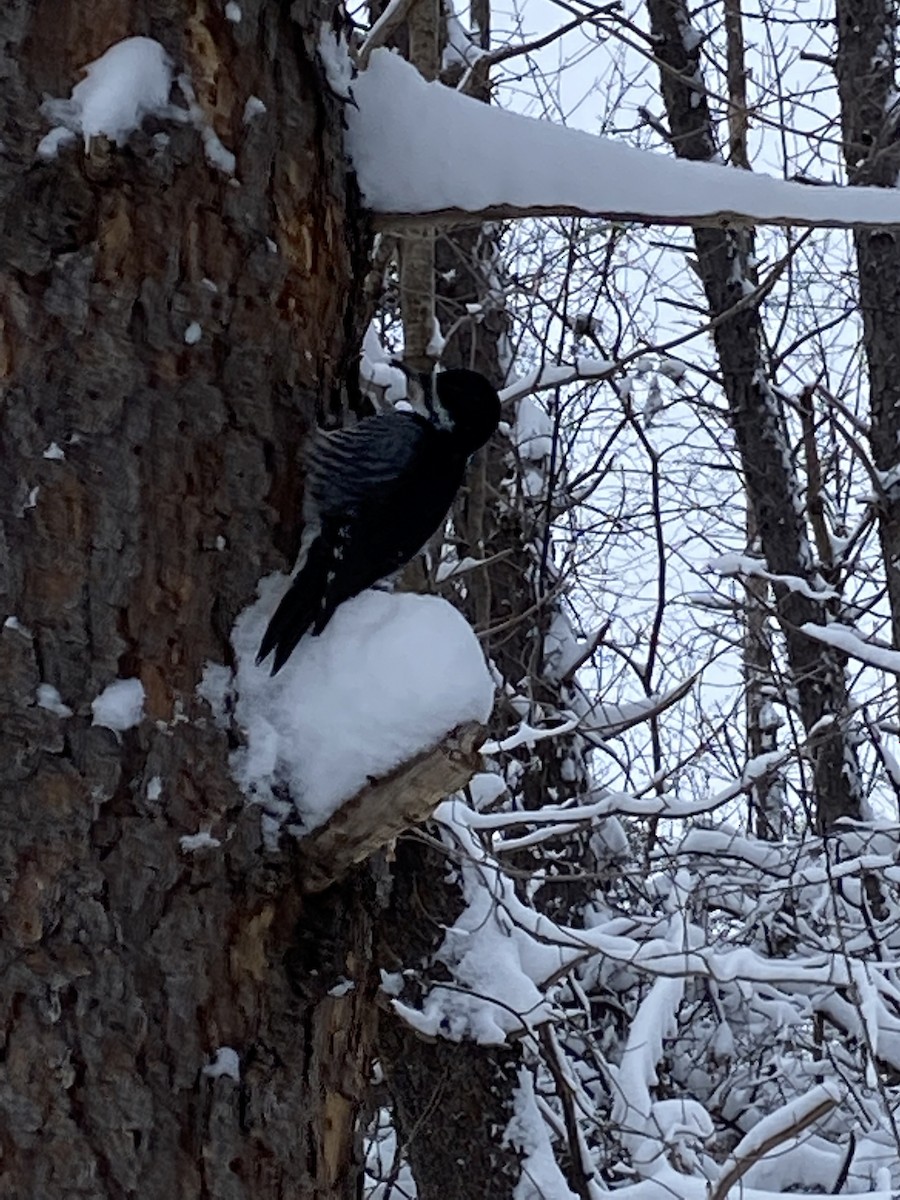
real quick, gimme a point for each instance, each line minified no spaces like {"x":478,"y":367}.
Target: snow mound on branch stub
{"x":132,"y":80}
{"x":390,"y":676}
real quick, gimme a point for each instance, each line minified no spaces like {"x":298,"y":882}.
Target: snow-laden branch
{"x":423,"y":151}
{"x":552,"y":376}
{"x":746,"y":566}
{"x":391,"y":19}
{"x":785,"y":1122}
{"x":847,"y":639}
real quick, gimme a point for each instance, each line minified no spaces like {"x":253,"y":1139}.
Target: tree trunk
{"x":127,"y":551}
{"x":451,"y":1100}
{"x":865,"y":67}
{"x":772,"y":489}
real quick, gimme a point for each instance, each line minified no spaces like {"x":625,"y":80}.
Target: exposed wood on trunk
{"x":416,"y":246}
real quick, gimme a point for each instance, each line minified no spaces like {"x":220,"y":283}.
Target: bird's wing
{"x":347,"y":469}
{"x":374,"y":495}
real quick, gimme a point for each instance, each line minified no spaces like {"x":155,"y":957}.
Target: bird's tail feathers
{"x":300,"y":606}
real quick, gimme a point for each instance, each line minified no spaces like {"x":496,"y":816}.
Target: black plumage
{"x":374,"y":496}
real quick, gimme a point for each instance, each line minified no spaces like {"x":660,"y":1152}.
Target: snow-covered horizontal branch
{"x":425,"y":153}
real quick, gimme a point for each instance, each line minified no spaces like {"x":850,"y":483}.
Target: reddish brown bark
{"x":127,"y":963}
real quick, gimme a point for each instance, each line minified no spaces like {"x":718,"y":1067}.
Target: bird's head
{"x":467,"y":406}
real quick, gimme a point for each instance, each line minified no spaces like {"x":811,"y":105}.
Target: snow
{"x":130,"y":81}
{"x":777,"y":1127}
{"x":215,"y":687}
{"x":233,"y":12}
{"x":253,"y":108}
{"x":192,"y":842}
{"x":51,"y":143}
{"x":672,"y":369}
{"x":54,"y":451}
{"x":393,"y":13}
{"x":847,"y":639}
{"x":48,"y":697}
{"x":16,"y":625}
{"x":193,"y":333}
{"x":336,"y":60}
{"x":387,"y":382}
{"x":553,"y":376}
{"x":499,"y":951}
{"x":217,"y":154}
{"x":485,"y":789}
{"x":527,"y":1132}
{"x":473,"y":156}
{"x":226,"y":1063}
{"x":527,"y":735}
{"x":120,"y":705}
{"x":30,"y":501}
{"x":533,"y":431}
{"x":633,"y":1108}
{"x":437,"y":341}
{"x":745,"y":564}
{"x":390,"y":676}
{"x":451,"y":568}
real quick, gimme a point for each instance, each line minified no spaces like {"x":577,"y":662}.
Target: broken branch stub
{"x":386,"y":807}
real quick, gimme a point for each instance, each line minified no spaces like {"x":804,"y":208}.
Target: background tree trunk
{"x":128,"y":963}
{"x":865,"y":68}
{"x":773,"y":492}
{"x":451,"y":1100}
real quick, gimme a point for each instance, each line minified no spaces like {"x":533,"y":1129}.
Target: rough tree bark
{"x":773,"y":492}
{"x":865,"y":65}
{"x":128,"y":964}
{"x":451,"y":1101}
